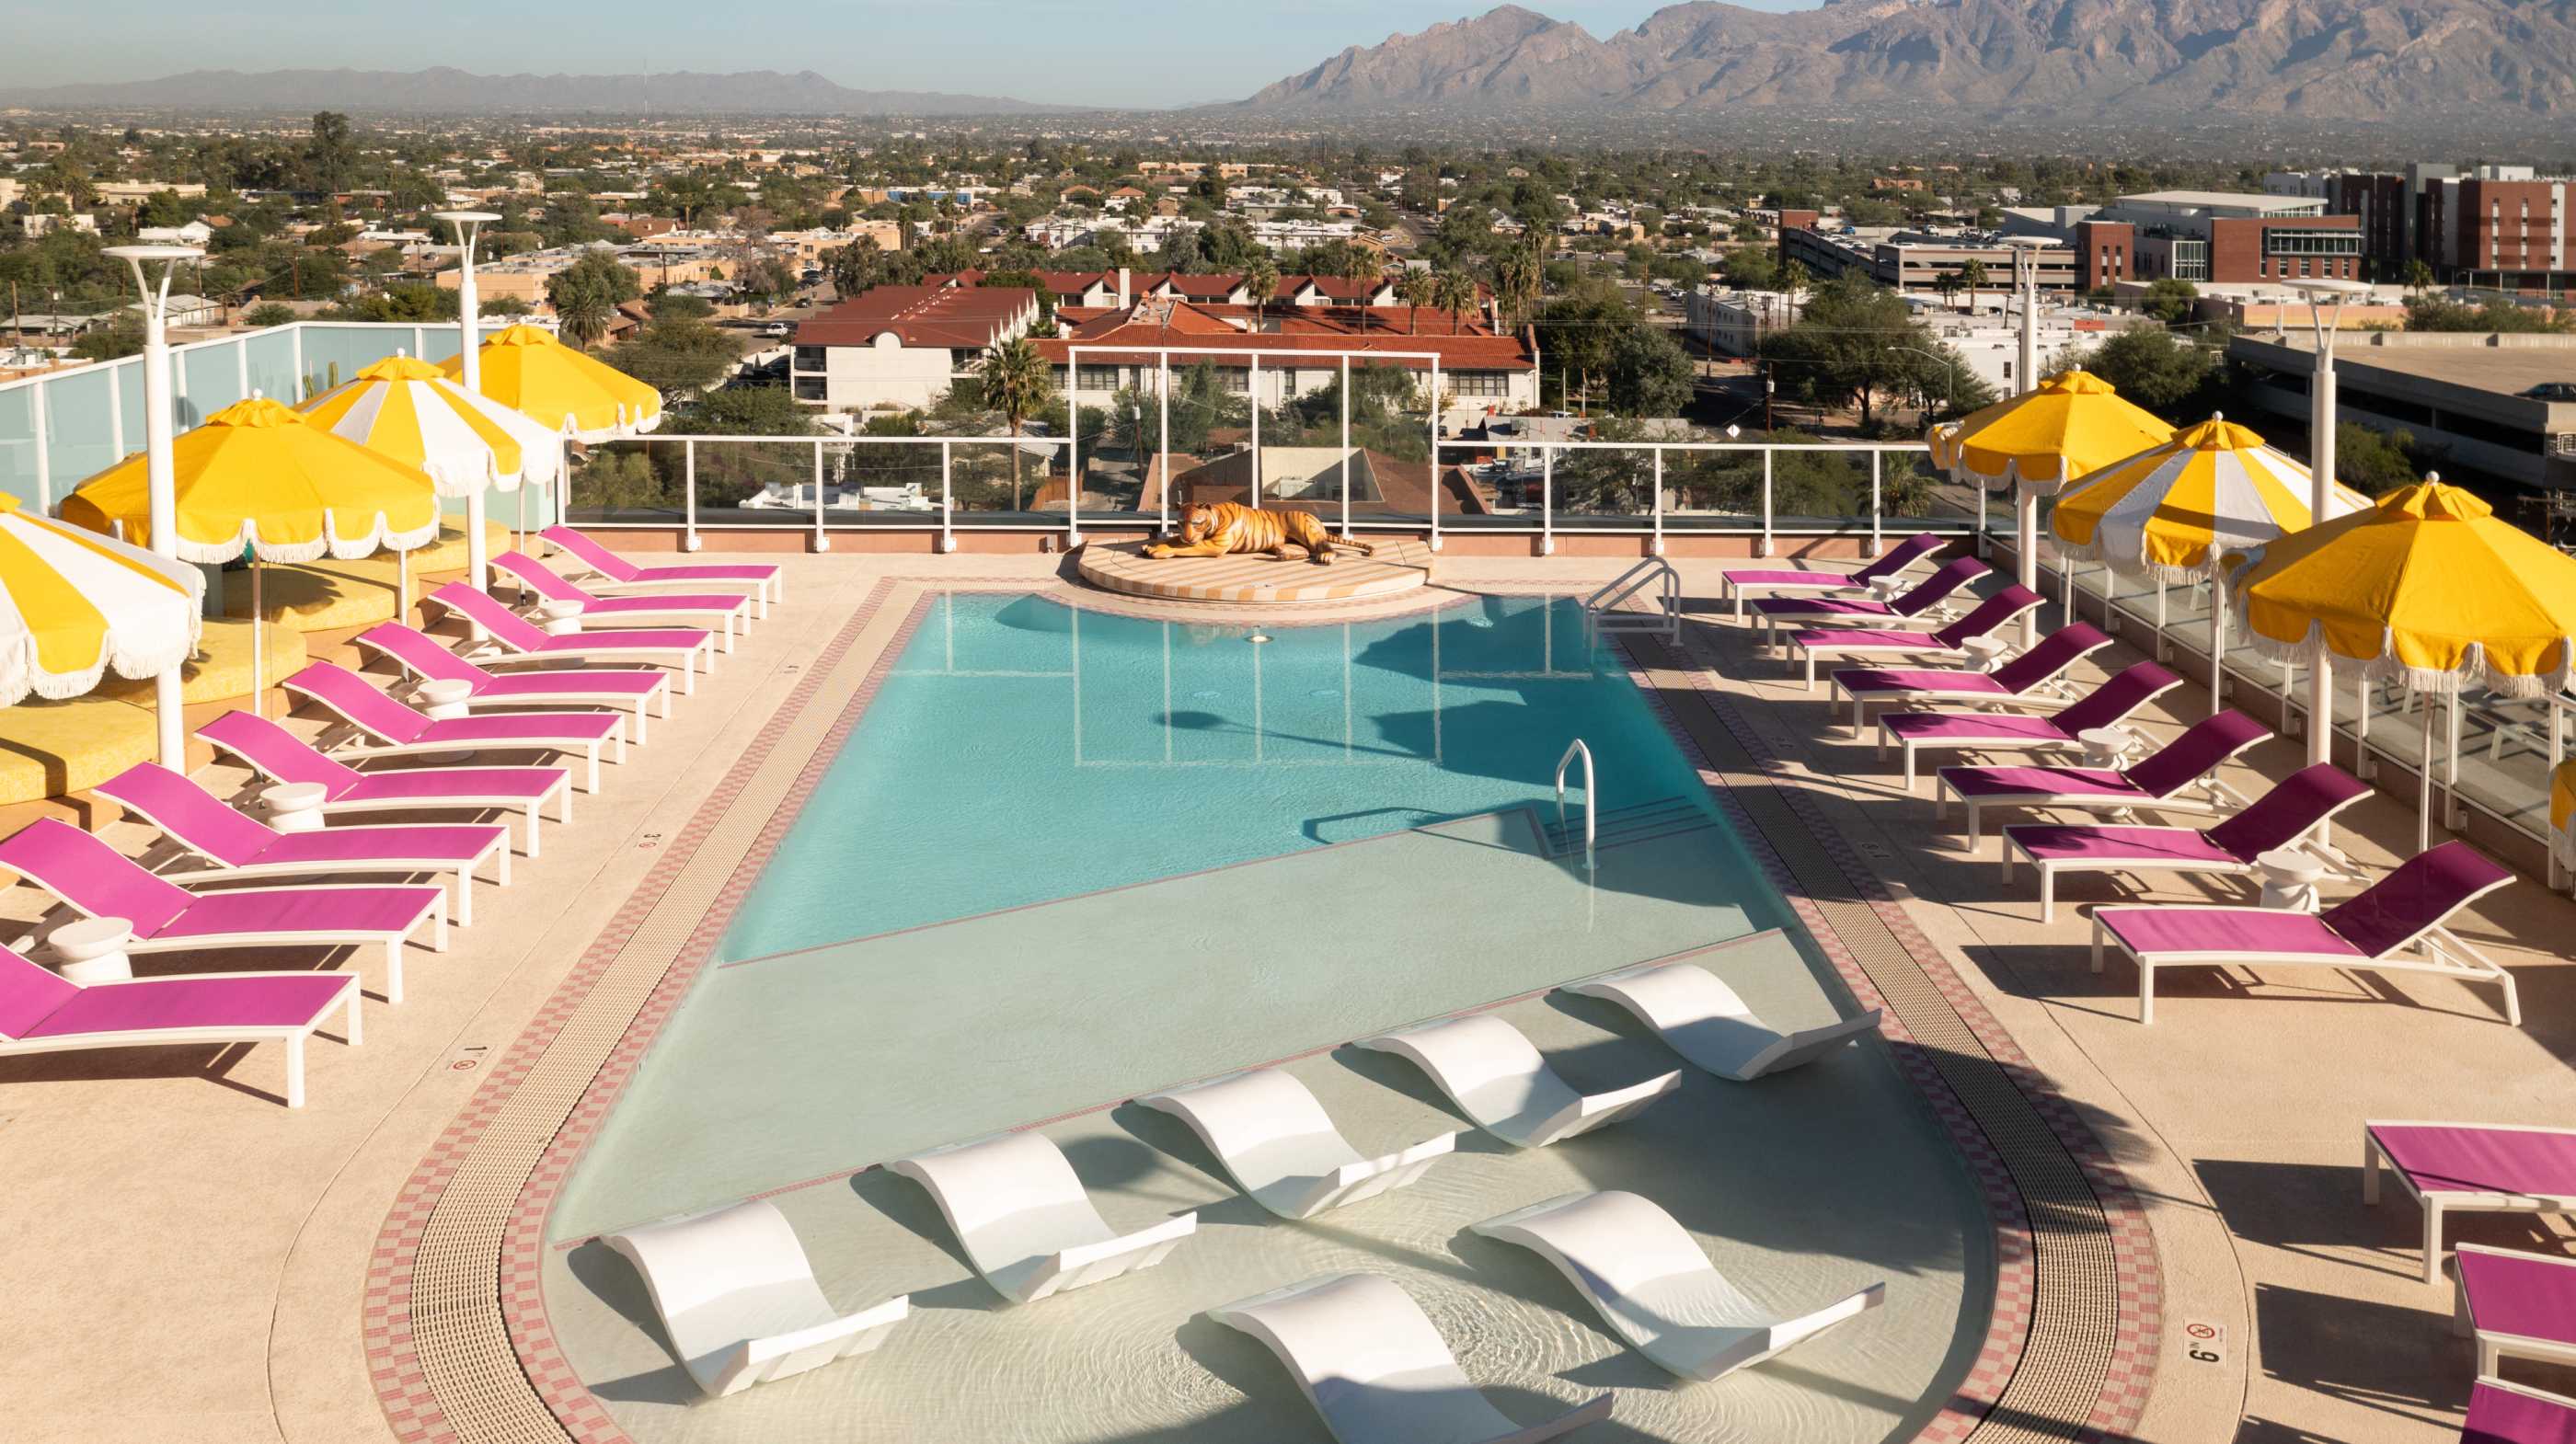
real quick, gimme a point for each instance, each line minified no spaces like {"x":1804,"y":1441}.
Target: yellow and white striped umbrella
{"x":410,"y":411}
{"x":74,"y":604}
{"x":2172,"y":511}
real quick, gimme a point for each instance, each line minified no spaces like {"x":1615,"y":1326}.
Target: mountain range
{"x":447,"y":91}
{"x":2343,"y":60}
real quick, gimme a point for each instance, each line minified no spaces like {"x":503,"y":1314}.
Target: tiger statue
{"x":1228,"y":528}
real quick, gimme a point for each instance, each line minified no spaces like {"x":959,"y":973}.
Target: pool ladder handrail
{"x":1600,"y":612}
{"x":1591,"y":813}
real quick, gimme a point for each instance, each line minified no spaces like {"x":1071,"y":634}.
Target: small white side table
{"x":560,"y":617}
{"x":1987,"y":652}
{"x":2107,"y":746}
{"x":92,"y":950}
{"x":295,"y":806}
{"x":2289,"y":879}
{"x":1888,"y":589}
{"x":444,"y":698}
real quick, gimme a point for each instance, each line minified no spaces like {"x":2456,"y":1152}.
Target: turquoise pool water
{"x":1022,"y":752}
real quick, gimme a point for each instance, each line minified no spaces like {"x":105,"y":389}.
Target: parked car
{"x":775,"y":328}
{"x":2553,"y":391}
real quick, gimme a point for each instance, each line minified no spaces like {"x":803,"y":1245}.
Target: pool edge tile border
{"x":412,"y":1408}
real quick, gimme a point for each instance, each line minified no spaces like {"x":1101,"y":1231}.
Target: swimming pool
{"x":1022,"y":751}
{"x":1064,"y":859}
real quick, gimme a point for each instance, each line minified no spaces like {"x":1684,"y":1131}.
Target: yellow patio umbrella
{"x":567,"y":391}
{"x":257,"y":475}
{"x":2171,"y":512}
{"x":2067,"y":427}
{"x":2426,"y":587}
{"x":75,"y":605}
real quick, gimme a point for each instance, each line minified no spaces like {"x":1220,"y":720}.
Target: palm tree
{"x":2418,"y":275}
{"x":1973,"y":276}
{"x":1016,"y":383}
{"x":1260,"y":278}
{"x":1455,"y":293}
{"x":583,"y":311}
{"x":1413,"y":288}
{"x":1947,"y":283}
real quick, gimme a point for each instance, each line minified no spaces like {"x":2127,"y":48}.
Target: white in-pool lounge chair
{"x":1497,"y":1079}
{"x":739,"y":1301}
{"x":41,"y":1012}
{"x":1704,"y":1021}
{"x":1650,"y":1283}
{"x":1277,"y":1144}
{"x":1025,"y":1222}
{"x":2470,"y":1168}
{"x":1379,"y":1373}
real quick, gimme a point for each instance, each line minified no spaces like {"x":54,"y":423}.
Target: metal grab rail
{"x":1600,"y":612}
{"x":1591,"y":812}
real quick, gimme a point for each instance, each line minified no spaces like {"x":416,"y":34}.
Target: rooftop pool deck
{"x":1065,"y":859}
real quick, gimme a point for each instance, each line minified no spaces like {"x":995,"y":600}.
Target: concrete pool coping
{"x":403,"y":1362}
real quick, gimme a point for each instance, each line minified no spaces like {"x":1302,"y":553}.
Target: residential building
{"x":2501,"y":223}
{"x":2462,"y":393}
{"x":1732,"y":322}
{"x":903,"y":347}
{"x":135,"y":193}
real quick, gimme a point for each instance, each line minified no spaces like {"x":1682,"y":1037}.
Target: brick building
{"x":2502,"y":224}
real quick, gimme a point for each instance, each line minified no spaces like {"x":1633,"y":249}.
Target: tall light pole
{"x":469,"y":318}
{"x":159,"y":470}
{"x":2325,"y":322}
{"x":2026,"y":380}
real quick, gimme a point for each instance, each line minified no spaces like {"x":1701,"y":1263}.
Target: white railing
{"x":1591,"y":797}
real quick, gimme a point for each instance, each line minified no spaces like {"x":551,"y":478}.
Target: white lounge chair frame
{"x":291,"y":1035}
{"x":2494,"y":1345}
{"x":1377,"y":1371}
{"x":1500,"y":1082}
{"x":1025,"y":1221}
{"x":379,"y":745}
{"x":2438,"y":1202}
{"x":635,"y":704}
{"x":2445,"y":954}
{"x":729,"y":620}
{"x":1702,"y":1019}
{"x":461,"y":895}
{"x":1278,"y":1145}
{"x":1647,"y":1279}
{"x":2203,"y":795}
{"x":392,"y":942}
{"x":738,"y":1300}
{"x":2049,"y":869}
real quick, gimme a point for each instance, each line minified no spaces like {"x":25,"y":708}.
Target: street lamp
{"x":469,"y":322}
{"x":1950,"y":361}
{"x":2325,"y":324}
{"x":2025,"y":251}
{"x":159,"y":470}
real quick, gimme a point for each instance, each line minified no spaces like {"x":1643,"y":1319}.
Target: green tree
{"x":1017,"y":382}
{"x":676,"y":355}
{"x":330,"y":154}
{"x":1973,"y":276}
{"x":2375,"y":462}
{"x":2156,"y":369}
{"x":855,"y":267}
{"x":1454,"y":292}
{"x":1751,"y":268}
{"x":1260,"y":281}
{"x":739,"y":411}
{"x":1845,"y":344}
{"x":1949,"y":286}
{"x":585,"y":296}
{"x":1648,"y":373}
{"x":122,"y":336}
{"x":2419,"y":276}
{"x":267,"y":314}
{"x":2170,"y":299}
{"x":1413,"y":288}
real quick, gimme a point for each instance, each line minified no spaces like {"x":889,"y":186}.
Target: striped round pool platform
{"x":1398,"y":566}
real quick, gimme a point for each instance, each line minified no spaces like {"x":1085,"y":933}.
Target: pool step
{"x":1616,"y":826}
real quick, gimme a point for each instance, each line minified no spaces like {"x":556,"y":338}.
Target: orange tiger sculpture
{"x":1228,"y":528}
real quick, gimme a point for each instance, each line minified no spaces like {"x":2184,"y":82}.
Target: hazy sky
{"x":1067,"y":51}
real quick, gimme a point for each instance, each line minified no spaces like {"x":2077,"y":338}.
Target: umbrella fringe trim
{"x":2386,"y":667}
{"x":124,"y":660}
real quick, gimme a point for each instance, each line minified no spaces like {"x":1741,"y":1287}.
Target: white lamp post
{"x":160,"y":471}
{"x":469,"y":316}
{"x":2025,"y":380}
{"x":2321,"y":468}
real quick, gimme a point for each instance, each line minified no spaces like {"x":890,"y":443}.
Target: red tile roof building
{"x":904,"y":346}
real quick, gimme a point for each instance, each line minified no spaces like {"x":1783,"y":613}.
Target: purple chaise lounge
{"x":2280,"y":817}
{"x":2032,"y":679}
{"x":2470,"y":1168}
{"x":2114,"y":701}
{"x":521,"y":640}
{"x":241,"y":846}
{"x":2516,"y":1305}
{"x":1950,"y":643}
{"x":1912,"y":608}
{"x":720,"y":610}
{"x":96,"y":880}
{"x":2157,"y":781}
{"x":2369,"y":930}
{"x":282,"y":756}
{"x":424,"y":656}
{"x":1740,"y":583}
{"x":2503,"y":1413}
{"x":42,"y":1013}
{"x":767,"y":579}
{"x":400,"y":729}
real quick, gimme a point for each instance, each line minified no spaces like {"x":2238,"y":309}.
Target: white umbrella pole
{"x":2451,"y":770}
{"x":402,"y":588}
{"x":2217,"y":644}
{"x":477,"y":558}
{"x":2424,"y":785}
{"x":2160,"y":619}
{"x":258,"y":646}
{"x":2026,"y":521}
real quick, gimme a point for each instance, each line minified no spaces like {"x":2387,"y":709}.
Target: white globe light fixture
{"x":160,"y":470}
